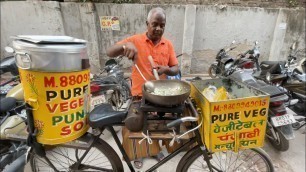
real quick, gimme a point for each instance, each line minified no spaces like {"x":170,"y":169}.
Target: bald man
{"x":138,"y":48}
{"x":150,"y":43}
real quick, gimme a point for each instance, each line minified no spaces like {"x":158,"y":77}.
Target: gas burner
{"x":147,"y":106}
{"x":161,"y":117}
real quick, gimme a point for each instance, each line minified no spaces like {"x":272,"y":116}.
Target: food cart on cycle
{"x":218,"y":135}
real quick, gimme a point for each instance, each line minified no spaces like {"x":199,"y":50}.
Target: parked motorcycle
{"x":8,"y":66}
{"x":279,"y":129}
{"x":13,"y":131}
{"x":291,"y":77}
{"x":226,"y":65}
{"x":13,"y":127}
{"x":112,"y":88}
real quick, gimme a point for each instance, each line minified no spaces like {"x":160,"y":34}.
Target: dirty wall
{"x":198,"y":31}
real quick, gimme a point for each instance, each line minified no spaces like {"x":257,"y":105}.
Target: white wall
{"x":197,"y":31}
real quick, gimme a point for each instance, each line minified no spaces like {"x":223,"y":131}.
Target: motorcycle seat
{"x":274,"y":67}
{"x":271,"y":63}
{"x":271,"y":90}
{"x":104,"y":115}
{"x":7,"y":104}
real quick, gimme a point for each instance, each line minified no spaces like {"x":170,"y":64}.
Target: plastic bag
{"x":221,"y":94}
{"x":214,"y":94}
{"x":210,"y":92}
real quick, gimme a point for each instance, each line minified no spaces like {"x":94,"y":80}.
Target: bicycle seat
{"x":104,"y":114}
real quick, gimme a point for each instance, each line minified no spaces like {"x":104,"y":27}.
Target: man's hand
{"x":130,"y":51}
{"x":162,"y":69}
{"x":171,"y":71}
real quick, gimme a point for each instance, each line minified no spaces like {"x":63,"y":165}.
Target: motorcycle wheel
{"x":116,"y":100}
{"x":126,"y":90}
{"x":280,"y":144}
{"x":212,"y":71}
{"x":296,"y":125}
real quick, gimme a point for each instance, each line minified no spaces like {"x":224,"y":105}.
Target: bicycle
{"x":76,"y":155}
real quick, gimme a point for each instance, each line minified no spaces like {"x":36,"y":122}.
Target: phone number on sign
{"x":239,"y":105}
{"x":66,"y":80}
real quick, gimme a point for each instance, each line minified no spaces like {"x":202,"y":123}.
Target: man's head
{"x":156,"y":23}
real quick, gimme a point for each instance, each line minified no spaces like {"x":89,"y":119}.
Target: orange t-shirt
{"x":162,"y":53}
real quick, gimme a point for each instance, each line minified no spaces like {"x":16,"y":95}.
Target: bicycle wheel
{"x":101,"y":157}
{"x":255,"y":160}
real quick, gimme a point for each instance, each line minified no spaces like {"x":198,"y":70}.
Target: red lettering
{"x":64,"y":107}
{"x":216,"y":108}
{"x":79,"y":79}
{"x":86,"y":77}
{"x":52,"y":109}
{"x":81,"y":102}
{"x":78,"y":126}
{"x":73,"y":104}
{"x":49,"y":82}
{"x":65,"y":131}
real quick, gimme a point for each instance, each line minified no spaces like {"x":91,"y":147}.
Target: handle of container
{"x":25,"y":58}
{"x":33,"y":102}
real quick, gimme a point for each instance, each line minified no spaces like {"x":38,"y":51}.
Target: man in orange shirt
{"x":138,"y":48}
{"x":151,"y":43}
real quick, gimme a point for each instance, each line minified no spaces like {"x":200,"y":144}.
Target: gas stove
{"x":160,"y":115}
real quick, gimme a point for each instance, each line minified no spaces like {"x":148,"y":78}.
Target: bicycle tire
{"x":195,"y":156}
{"x":56,"y":155}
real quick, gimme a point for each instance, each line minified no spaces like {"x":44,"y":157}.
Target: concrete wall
{"x":242,"y":3}
{"x":197,"y":31}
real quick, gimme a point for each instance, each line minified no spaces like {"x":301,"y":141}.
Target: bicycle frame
{"x":90,"y":139}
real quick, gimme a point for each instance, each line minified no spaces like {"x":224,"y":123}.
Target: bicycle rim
{"x":97,"y":159}
{"x":251,"y":160}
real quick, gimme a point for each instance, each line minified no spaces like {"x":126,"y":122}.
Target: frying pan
{"x":166,"y":100}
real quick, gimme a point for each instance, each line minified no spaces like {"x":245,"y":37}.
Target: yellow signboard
{"x":60,"y":104}
{"x":233,"y":124}
{"x":109,"y":23}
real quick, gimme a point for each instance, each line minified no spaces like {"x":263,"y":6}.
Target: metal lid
{"x":45,"y":43}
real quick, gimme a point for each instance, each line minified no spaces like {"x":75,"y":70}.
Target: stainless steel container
{"x":50,"y":53}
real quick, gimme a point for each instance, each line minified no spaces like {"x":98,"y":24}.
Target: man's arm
{"x":115,"y":50}
{"x":171,"y":71}
{"x":127,"y":49}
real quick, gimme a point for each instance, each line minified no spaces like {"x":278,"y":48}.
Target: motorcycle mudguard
{"x":18,"y":165}
{"x":287,"y":131}
{"x":226,"y":60}
{"x":16,"y":92}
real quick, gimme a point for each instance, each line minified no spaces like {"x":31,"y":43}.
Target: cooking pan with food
{"x":166,"y":92}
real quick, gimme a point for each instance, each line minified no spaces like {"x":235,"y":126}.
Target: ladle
{"x":153,"y":68}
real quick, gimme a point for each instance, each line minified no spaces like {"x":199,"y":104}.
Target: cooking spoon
{"x":153,"y":67}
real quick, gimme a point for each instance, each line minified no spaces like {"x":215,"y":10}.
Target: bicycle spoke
{"x":96,"y":168}
{"x":253,"y":163}
{"x":220,"y":160}
{"x":229,"y":161}
{"x":246,"y":161}
{"x":235,"y":161}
